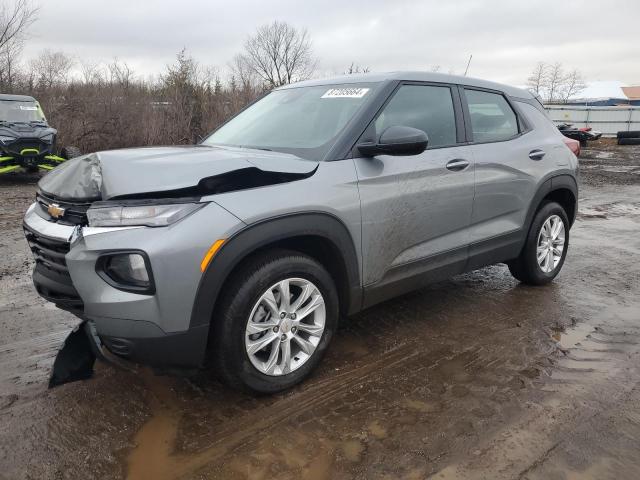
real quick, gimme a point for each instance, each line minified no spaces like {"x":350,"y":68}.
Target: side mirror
{"x":396,"y":140}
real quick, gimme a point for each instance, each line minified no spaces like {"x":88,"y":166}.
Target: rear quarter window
{"x":492,"y":118}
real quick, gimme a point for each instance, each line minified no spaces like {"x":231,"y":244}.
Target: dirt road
{"x":476,"y":377}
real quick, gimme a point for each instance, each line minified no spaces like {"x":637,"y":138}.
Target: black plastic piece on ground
{"x":75,"y":360}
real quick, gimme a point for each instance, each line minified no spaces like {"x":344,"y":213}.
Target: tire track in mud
{"x":411,"y":360}
{"x":18,"y":359}
{"x":589,"y":376}
{"x":242,"y":434}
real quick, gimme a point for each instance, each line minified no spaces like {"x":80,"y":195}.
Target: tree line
{"x":101,"y":106}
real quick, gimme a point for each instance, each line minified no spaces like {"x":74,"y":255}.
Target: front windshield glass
{"x":12,"y":111}
{"x":304,"y":121}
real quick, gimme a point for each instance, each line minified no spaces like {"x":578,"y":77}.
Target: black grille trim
{"x":35,"y":143}
{"x":51,"y":275}
{"x":74,"y":213}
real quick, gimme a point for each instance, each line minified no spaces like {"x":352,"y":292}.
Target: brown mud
{"x":475,"y":377}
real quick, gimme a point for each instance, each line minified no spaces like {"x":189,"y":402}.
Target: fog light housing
{"x":128,"y":271}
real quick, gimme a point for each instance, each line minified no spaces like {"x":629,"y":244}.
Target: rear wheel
{"x":274,"y":323}
{"x":546,"y":247}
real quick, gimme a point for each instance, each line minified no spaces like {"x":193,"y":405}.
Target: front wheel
{"x":274,"y":323}
{"x":70,"y":152}
{"x":546,"y":247}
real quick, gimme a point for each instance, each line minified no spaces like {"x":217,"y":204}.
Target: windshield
{"x":303,"y":121}
{"x":12,"y":111}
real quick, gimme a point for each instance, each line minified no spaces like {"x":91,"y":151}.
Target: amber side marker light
{"x":210,"y":254}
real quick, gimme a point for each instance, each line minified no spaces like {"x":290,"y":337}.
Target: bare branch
{"x":14,"y":21}
{"x":278,"y":54}
{"x":536,"y":81}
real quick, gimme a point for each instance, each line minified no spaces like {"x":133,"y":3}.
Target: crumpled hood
{"x":134,"y":172}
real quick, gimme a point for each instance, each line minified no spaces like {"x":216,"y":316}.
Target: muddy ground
{"x":476,"y":377}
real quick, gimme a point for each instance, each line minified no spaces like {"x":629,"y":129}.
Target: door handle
{"x":457,"y":165}
{"x":536,"y":154}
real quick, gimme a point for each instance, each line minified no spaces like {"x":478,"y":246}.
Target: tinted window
{"x":492,"y":118}
{"x":424,"y":107}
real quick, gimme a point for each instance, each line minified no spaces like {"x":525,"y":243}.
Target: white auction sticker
{"x":345,"y":93}
{"x":22,"y":107}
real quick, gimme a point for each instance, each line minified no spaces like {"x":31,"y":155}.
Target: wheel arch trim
{"x":268,"y":231}
{"x":551,"y":184}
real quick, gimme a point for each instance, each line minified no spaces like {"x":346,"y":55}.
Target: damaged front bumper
{"x":149,"y":328}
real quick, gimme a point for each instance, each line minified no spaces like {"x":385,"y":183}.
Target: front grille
{"x":28,"y":143}
{"x":74,"y":213}
{"x":51,"y":275}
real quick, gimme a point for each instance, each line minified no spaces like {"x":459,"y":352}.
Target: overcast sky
{"x":506,"y":37}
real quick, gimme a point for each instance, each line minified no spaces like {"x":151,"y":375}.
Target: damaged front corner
{"x":76,"y":179}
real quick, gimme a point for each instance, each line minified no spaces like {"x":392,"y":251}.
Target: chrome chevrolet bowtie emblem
{"x":55,"y":210}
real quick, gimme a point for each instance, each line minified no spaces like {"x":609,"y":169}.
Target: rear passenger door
{"x":505,"y":180}
{"x":416,"y":210}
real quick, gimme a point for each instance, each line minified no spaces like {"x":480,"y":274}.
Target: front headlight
{"x":47,"y":138}
{"x":6,"y":139}
{"x":140,"y":215}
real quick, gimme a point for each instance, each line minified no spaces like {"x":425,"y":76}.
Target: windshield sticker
{"x":22,"y":107}
{"x":345,"y":93}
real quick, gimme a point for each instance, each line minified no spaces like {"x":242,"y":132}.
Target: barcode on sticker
{"x":345,"y":93}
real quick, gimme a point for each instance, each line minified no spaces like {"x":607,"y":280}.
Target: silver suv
{"x":319,"y":200}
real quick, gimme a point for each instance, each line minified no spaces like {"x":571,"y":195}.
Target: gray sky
{"x":506,"y":37}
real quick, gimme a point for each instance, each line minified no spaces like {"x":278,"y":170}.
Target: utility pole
{"x":468,"y":63}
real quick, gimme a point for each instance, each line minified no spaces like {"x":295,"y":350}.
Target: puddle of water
{"x":421,"y":406}
{"x":151,"y":457}
{"x":572,"y":337}
{"x":377,"y":430}
{"x":353,"y":450}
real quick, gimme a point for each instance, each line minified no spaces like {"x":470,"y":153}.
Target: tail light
{"x":573,"y":145}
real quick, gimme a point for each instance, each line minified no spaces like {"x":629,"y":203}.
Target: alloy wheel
{"x":551,"y":242}
{"x":285,"y":326}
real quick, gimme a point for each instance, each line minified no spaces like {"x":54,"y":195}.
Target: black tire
{"x":629,"y":141}
{"x":230,"y":361}
{"x":525,"y":268}
{"x":583,"y":142}
{"x":70,"y":152}
{"x":629,"y":134}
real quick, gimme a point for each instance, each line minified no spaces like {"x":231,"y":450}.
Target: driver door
{"x":416,"y":209}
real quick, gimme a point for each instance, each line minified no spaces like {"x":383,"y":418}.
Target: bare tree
{"x":279,"y":54}
{"x":553,"y":84}
{"x":353,"y":69}
{"x":92,"y":72}
{"x":51,"y":68}
{"x":243,"y":72}
{"x":537,"y":79}
{"x":572,"y":85}
{"x":9,"y":65}
{"x":15,"y":18}
{"x":120,"y":73}
{"x":554,"y":80}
